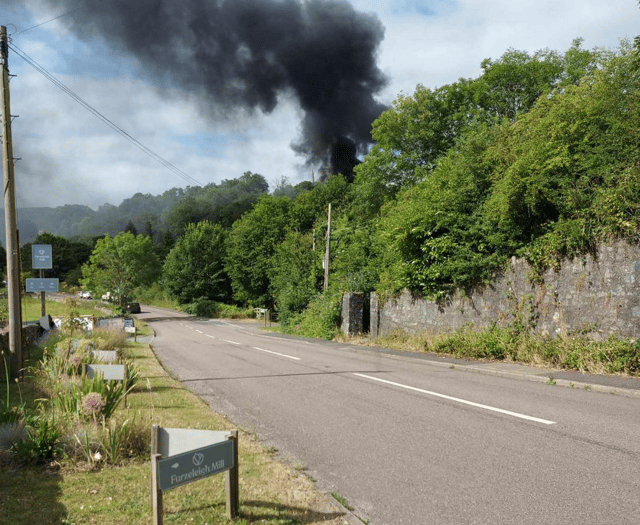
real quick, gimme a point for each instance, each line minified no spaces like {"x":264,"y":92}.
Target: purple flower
{"x":92,"y":404}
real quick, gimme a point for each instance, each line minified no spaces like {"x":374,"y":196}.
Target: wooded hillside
{"x":537,"y":157}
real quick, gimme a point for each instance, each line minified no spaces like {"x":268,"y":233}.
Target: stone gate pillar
{"x":352,"y":313}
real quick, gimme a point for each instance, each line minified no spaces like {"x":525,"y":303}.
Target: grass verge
{"x":65,"y":492}
{"x":612,"y":356}
{"x":31,"y":308}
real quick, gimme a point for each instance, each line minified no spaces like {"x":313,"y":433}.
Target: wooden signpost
{"x":181,"y":455}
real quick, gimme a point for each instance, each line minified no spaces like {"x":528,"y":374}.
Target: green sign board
{"x":195,"y":464}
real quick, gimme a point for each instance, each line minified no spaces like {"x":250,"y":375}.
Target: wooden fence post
{"x":156,"y":492}
{"x":233,"y":481}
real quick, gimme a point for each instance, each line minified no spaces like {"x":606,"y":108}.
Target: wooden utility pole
{"x":13,"y":269}
{"x":327,"y":252}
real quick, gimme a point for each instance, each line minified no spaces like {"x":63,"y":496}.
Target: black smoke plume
{"x":248,"y":53}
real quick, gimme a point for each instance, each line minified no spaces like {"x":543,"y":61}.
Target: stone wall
{"x":596,"y":296}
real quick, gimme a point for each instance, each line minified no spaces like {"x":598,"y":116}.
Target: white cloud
{"x":436,"y":50}
{"x":70,"y":156}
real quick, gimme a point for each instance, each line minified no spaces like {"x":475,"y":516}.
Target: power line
{"x":43,"y":23}
{"x":99,"y":115}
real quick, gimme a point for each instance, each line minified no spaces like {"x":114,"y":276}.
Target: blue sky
{"x":70,"y":157}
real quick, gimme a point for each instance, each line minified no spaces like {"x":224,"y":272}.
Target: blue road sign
{"x":41,"y":257}
{"x":43,"y":285}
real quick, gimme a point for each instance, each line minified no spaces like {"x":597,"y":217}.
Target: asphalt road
{"x":408,"y":441}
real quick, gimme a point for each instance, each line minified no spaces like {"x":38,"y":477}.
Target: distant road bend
{"x":407,"y":442}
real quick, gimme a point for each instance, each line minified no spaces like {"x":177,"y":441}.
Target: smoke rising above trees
{"x":250,"y":54}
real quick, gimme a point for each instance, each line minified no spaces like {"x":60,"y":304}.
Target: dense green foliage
{"x":294,"y":274}
{"x":252,"y":244}
{"x":194,"y":268}
{"x":120,"y":264}
{"x":554,"y":182}
{"x":222,"y":203}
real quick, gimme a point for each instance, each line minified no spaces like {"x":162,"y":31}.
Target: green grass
{"x":342,"y":500}
{"x":613,"y":356}
{"x":32,"y":308}
{"x":69,"y":493}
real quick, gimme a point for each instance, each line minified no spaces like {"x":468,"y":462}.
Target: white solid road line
{"x":276,"y":353}
{"x":458,"y":400}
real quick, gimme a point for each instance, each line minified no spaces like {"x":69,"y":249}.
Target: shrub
{"x":230,"y":311}
{"x":207,"y":308}
{"x":124,"y":439}
{"x":41,"y":443}
{"x":319,"y":320}
{"x":202,"y":307}
{"x":112,"y":441}
{"x":69,"y":397}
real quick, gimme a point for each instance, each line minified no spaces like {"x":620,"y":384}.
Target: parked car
{"x":133,"y":308}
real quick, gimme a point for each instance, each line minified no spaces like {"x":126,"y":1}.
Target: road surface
{"x":409,"y":441}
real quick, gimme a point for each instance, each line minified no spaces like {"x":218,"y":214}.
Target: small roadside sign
{"x":41,"y":257}
{"x":180,"y":456}
{"x":106,"y":356}
{"x":108,"y":372}
{"x":43,"y":285}
{"x":195,"y":464}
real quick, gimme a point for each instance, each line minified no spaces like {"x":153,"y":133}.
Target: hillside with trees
{"x":537,"y":157}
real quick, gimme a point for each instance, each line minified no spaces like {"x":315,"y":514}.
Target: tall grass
{"x":74,"y":414}
{"x":613,"y":356}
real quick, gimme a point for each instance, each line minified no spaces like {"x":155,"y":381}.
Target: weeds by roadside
{"x":613,"y":356}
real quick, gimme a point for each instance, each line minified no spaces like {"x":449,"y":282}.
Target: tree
{"x":410,"y":137}
{"x":131,"y":228}
{"x":68,"y":257}
{"x":252,"y":243}
{"x":553,"y":183}
{"x":568,"y":170}
{"x":194,"y":268}
{"x":311,"y":206}
{"x":511,"y":85}
{"x":120,"y":264}
{"x":222,"y":203}
{"x":294,"y":274}
{"x":414,"y":134}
